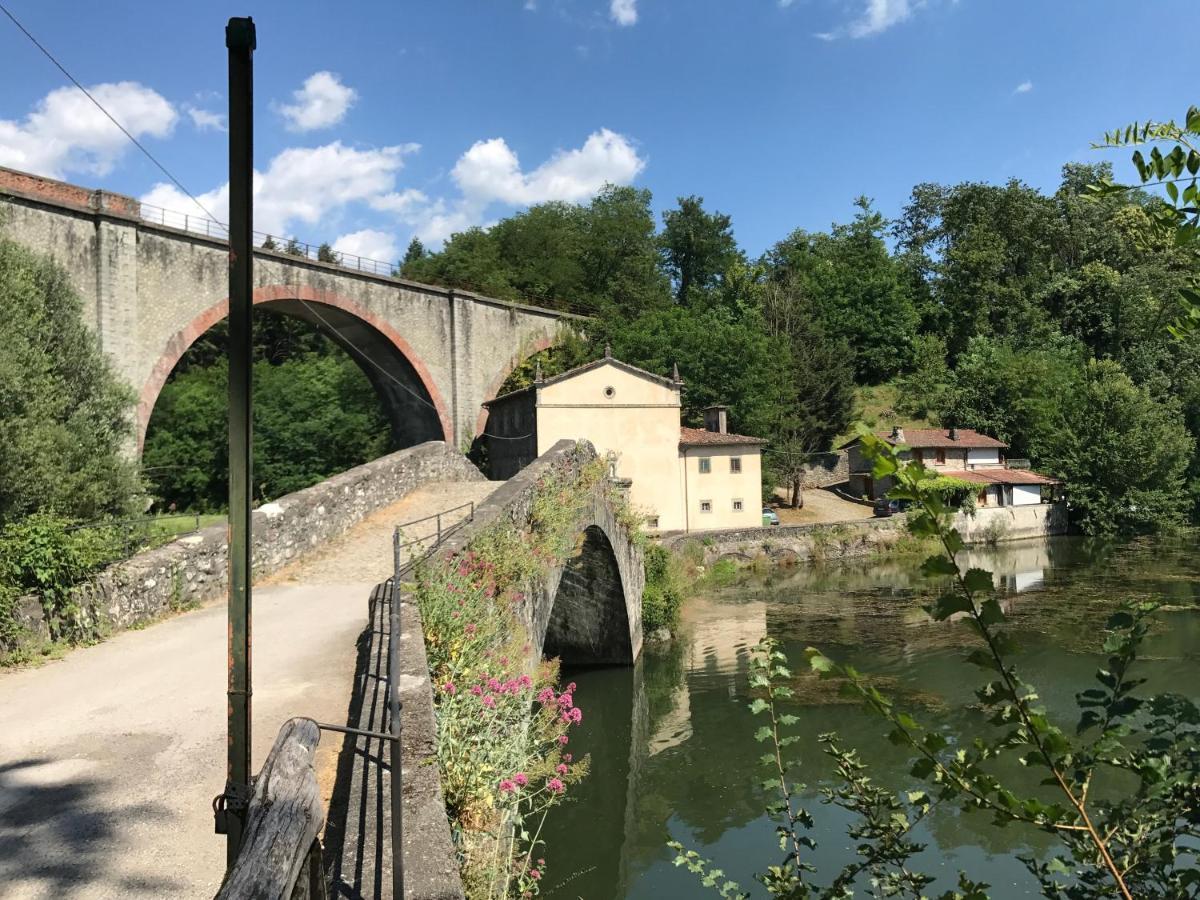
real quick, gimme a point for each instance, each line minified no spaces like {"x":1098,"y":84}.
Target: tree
{"x":1124,"y":455}
{"x":926,"y":390}
{"x":295,"y":248}
{"x":815,"y":390}
{"x":65,"y":425}
{"x":326,"y":254}
{"x":1178,"y":218}
{"x":697,"y":247}
{"x":269,"y":243}
{"x":416,"y":251}
{"x":859,"y":291}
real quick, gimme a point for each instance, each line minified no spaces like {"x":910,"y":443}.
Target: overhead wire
{"x":179,"y":184}
{"x":100,"y":106}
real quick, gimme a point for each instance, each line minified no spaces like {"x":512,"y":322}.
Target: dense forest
{"x":1041,"y":319}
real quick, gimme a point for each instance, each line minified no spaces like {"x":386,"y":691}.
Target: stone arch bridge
{"x":588,"y":611}
{"x":150,"y":290}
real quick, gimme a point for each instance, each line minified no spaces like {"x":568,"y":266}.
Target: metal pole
{"x":394,"y":714}
{"x":240,"y":39}
{"x":439,"y":529}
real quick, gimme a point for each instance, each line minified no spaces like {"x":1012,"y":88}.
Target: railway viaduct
{"x":153,"y":282}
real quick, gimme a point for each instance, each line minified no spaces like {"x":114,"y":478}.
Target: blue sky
{"x":378,"y":121}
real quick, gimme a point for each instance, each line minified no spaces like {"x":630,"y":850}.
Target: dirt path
{"x":110,"y":758}
{"x":821,"y":505}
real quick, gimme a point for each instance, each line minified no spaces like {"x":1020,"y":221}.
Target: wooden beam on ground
{"x":283,"y":821}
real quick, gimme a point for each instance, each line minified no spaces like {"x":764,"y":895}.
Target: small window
{"x":652,"y":521}
{"x":941,"y":457}
{"x":735,"y":465}
{"x":705,"y":465}
{"x":738,"y":506}
{"x":705,"y":506}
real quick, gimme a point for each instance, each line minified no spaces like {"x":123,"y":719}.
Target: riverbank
{"x":819,"y":542}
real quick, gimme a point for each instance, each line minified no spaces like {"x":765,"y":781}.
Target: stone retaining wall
{"x":843,"y":540}
{"x":194,"y":568}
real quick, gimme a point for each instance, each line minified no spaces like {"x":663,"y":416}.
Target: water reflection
{"x":670,"y":739}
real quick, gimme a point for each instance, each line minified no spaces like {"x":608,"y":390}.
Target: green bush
{"x":664,"y":592}
{"x":41,"y":554}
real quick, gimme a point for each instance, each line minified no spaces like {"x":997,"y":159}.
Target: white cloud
{"x":323,"y":101}
{"x":370,"y":243}
{"x":205,"y":120}
{"x":67,"y":133}
{"x":303,"y":185}
{"x":623,"y":12}
{"x":1023,"y":88}
{"x":877,"y":16}
{"x":490,"y":171}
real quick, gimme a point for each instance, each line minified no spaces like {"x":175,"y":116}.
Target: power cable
{"x":108,"y":115}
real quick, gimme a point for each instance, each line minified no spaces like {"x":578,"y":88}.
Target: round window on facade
{"x":610,"y":392}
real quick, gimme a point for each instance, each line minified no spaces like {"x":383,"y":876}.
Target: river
{"x":671,"y":746}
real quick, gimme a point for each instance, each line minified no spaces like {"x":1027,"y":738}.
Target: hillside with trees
{"x":1041,"y":319}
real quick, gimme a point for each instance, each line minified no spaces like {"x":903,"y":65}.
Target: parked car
{"x":885,"y":507}
{"x":770,"y":517}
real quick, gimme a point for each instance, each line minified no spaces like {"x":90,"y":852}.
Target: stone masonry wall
{"x":194,"y":567}
{"x":828,"y":541}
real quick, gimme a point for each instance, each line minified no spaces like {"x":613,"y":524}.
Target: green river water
{"x":671,"y":744}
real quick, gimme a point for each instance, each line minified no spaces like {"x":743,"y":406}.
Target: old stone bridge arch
{"x":411,"y":398}
{"x":588,"y":610}
{"x":149,"y":289}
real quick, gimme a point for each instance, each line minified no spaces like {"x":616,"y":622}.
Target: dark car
{"x":885,"y":507}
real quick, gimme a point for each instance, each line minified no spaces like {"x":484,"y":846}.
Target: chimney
{"x":953,"y":433}
{"x":716,"y":419}
{"x":675,"y":374}
{"x":897,"y":434}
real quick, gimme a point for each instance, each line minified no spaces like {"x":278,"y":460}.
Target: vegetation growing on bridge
{"x":496,"y":765}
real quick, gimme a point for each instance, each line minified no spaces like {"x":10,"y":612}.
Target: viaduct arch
{"x":150,"y":290}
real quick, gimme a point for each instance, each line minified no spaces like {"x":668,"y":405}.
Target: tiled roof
{"x":919,"y":438}
{"x":999,"y":476}
{"x":699,"y":437}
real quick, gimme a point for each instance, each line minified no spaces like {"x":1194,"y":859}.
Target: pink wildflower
{"x":454,"y":615}
{"x":521,"y":778}
{"x":541,"y":862}
{"x":567,"y":757}
{"x":476,"y":690}
{"x":555,"y":786}
{"x":561,"y":769}
{"x":507,"y":786}
{"x":525,"y":681}
{"x":535,"y":874}
{"x":574,"y":714}
{"x":493,"y":684}
{"x":504,"y":660}
{"x":449,"y":687}
{"x":545,"y":696}
{"x":562,"y":739}
{"x":564,"y":700}
{"x":470,"y":629}
{"x":571,"y":688}
{"x":489,"y":701}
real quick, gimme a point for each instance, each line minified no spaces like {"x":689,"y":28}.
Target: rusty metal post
{"x":240,"y":40}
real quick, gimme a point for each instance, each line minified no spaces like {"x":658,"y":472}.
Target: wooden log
{"x":284,"y":819}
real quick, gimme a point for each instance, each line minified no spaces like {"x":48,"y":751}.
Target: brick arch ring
{"x":537,"y":346}
{"x":179,"y":343}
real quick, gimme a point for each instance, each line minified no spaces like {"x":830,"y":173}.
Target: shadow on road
{"x":58,"y":832}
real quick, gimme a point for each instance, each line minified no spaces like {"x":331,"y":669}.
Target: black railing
{"x":138,"y":533}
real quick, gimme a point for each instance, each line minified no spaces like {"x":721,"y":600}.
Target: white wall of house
{"x":635,"y":418}
{"x":988,"y":456}
{"x":721,"y":497}
{"x":1026,"y":494}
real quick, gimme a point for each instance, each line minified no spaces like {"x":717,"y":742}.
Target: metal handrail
{"x":211,"y":228}
{"x":395,"y":706}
